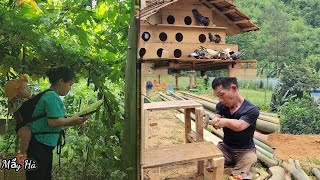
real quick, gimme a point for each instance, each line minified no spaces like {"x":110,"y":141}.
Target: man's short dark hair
{"x":226,"y":82}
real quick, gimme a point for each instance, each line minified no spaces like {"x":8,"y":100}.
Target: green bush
{"x":295,"y":80}
{"x":300,"y":116}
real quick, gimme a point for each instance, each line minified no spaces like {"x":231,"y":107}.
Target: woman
{"x":45,"y":131}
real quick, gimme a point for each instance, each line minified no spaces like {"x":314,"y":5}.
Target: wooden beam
{"x":187,"y":118}
{"x":229,"y":21}
{"x":177,"y":81}
{"x":250,"y":29}
{"x":228,"y":11}
{"x":241,"y":21}
{"x":199,"y":112}
{"x":179,"y":104}
{"x":216,"y":1}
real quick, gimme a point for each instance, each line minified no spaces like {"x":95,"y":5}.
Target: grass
{"x":259,"y":97}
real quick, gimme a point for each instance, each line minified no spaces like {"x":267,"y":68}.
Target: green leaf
{"x":101,"y":9}
{"x":82,"y":17}
{"x":83,"y":37}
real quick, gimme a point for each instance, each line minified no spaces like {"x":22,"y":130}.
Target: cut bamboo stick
{"x":269,"y":119}
{"x":298,"y":166}
{"x":262,"y":137}
{"x":316,"y":172}
{"x":294,"y":171}
{"x":278,"y":173}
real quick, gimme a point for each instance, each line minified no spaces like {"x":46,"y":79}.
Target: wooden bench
{"x":186,"y":153}
{"x":194,"y":150}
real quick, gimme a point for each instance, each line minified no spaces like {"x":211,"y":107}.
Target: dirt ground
{"x":167,"y":130}
{"x":300,"y":147}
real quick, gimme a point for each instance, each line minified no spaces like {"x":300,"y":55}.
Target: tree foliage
{"x":289,"y":33}
{"x":294,"y":82}
{"x":90,"y":36}
{"x":301,"y":116}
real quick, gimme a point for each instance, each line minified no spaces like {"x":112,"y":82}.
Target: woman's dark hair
{"x":226,"y":82}
{"x":64,"y":73}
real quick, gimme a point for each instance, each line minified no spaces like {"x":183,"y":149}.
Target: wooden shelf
{"x":181,"y":153}
{"x":190,"y":26}
{"x":194,"y":45}
{"x":187,"y":60}
{"x":183,"y":49}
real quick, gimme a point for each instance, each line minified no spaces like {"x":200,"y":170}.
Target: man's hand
{"x":221,"y":122}
{"x":215,"y":119}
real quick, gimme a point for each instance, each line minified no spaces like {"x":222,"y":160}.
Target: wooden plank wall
{"x":215,"y":17}
{"x":190,"y":33}
{"x":243,"y":69}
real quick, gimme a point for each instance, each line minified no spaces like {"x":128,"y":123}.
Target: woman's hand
{"x":76,"y":119}
{"x":71,"y":121}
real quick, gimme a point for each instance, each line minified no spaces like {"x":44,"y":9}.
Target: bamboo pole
{"x":278,"y":173}
{"x":266,"y":126}
{"x":294,"y":171}
{"x":298,"y":166}
{"x":316,"y":172}
{"x":175,"y":95}
{"x":269,"y":119}
{"x":270,"y":114}
{"x":200,"y":97}
{"x":207,"y":105}
{"x":262,"y":137}
{"x":264,"y":117}
{"x":131,"y":155}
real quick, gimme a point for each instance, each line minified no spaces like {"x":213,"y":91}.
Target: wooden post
{"x":159,"y":78}
{"x":143,"y":4}
{"x":187,"y":123}
{"x":199,"y":134}
{"x":190,"y":81}
{"x":195,"y":80}
{"x":177,"y":81}
{"x":218,"y":167}
{"x":199,"y":124}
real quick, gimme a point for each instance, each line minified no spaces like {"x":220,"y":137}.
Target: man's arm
{"x":234,"y":124}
